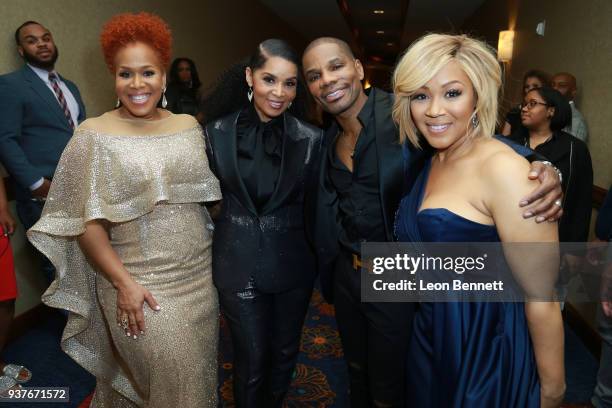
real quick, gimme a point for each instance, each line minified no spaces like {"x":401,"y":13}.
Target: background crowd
{"x":262,"y":132}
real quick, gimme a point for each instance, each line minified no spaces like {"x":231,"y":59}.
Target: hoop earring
{"x":118,"y":104}
{"x":250,"y":94}
{"x":164,"y":100}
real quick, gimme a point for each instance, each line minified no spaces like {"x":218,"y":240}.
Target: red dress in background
{"x":8,"y":283}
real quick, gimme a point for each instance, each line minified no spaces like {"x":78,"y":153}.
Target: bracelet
{"x":547,"y":163}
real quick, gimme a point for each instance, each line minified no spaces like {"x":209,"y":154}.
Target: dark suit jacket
{"x":271,"y":245}
{"x":397,"y":169}
{"x":33,"y":128}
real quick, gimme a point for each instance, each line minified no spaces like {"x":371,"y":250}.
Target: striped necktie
{"x":60,"y":97}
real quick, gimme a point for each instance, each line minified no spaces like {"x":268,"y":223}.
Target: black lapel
{"x":45,"y":94}
{"x":226,"y":158}
{"x":295,"y":147}
{"x":390,"y":160}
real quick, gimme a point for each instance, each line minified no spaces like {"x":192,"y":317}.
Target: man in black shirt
{"x":362,"y":177}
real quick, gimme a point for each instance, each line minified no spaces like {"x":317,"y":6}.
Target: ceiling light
{"x":380,"y":32}
{"x":379,"y":11}
{"x":390,"y":44}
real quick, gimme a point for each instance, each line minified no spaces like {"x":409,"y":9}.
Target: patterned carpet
{"x":320,"y":379}
{"x":320,"y":374}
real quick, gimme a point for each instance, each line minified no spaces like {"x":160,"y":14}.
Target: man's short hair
{"x":27,"y":23}
{"x":343,"y":45}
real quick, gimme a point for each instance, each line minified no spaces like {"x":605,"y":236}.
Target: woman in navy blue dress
{"x":473,"y":354}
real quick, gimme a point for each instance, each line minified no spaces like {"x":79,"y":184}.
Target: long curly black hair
{"x":229,"y":92}
{"x":173,"y":77}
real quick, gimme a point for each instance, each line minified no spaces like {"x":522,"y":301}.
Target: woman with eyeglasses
{"x":533,"y":79}
{"x":544,"y":112}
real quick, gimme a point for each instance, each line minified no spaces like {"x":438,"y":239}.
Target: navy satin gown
{"x":464,"y":354}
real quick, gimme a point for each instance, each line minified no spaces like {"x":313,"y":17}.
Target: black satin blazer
{"x":269,"y":245}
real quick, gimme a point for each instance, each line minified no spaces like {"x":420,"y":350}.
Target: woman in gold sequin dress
{"x":125,"y":226}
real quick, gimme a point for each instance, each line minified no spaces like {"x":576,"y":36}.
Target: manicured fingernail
{"x":158,"y":307}
{"x":142,"y":332}
{"x":533,"y":173}
{"x":135,"y":337}
{"x":524,"y":202}
{"x":540,"y":219}
{"x":128,"y":334}
{"x":528,"y":214}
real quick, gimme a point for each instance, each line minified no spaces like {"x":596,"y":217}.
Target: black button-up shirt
{"x":361,"y":216}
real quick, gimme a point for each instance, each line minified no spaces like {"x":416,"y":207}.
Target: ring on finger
{"x":124,"y":321}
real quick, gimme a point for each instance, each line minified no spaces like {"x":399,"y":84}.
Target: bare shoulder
{"x":91,"y":123}
{"x":182,"y":120}
{"x":502,"y":168}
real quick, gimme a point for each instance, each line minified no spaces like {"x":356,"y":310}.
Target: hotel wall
{"x":578,"y":39}
{"x":213,"y":33}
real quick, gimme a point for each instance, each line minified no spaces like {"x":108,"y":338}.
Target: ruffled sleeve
{"x":115,"y":178}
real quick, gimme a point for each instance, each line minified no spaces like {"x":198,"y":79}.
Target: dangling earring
{"x":118,"y":104}
{"x":164,"y":100}
{"x":475,"y":121}
{"x":288,"y":106}
{"x":250,"y":93}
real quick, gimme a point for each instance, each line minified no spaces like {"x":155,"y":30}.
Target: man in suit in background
{"x":565,"y":83}
{"x":38,"y":113}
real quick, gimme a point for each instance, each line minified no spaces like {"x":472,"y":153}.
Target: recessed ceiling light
{"x":380,"y":32}
{"x":379,"y":11}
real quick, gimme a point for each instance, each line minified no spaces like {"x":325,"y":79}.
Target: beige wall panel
{"x":578,"y":39}
{"x":213,"y":33}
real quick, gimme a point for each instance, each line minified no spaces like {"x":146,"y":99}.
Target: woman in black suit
{"x":263,"y":266}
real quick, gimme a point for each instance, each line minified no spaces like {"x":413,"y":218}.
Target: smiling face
{"x":139,"y":80}
{"x":36,"y":46}
{"x":442,"y":108}
{"x":333,"y":78}
{"x":274,"y":87}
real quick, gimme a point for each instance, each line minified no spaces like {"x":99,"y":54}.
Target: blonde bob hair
{"x":426,"y":57}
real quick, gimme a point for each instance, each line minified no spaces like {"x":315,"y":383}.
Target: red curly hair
{"x":143,"y":27}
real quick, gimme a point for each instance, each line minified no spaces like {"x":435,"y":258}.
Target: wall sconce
{"x":504,"y":45}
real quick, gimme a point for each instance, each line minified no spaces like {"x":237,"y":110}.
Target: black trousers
{"x":375,"y":339}
{"x":266,"y":330}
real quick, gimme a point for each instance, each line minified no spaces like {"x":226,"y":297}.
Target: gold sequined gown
{"x":148,"y":179}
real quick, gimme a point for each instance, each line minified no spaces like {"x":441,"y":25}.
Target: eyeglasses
{"x":531,"y":104}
